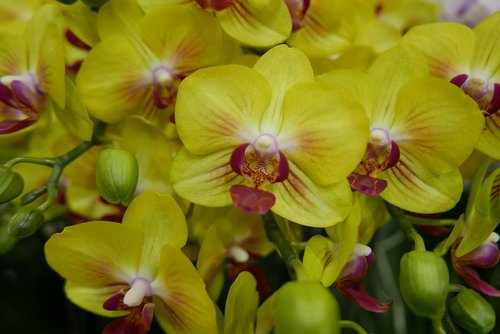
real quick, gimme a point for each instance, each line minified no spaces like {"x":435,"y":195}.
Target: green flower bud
{"x":25,"y":222}
{"x":117,"y":173}
{"x":306,"y":307}
{"x":472,"y":312}
{"x":424,"y":280}
{"x":11,"y":184}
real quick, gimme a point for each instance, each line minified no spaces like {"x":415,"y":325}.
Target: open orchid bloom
{"x":323,"y":28}
{"x":422,"y":129}
{"x":234,"y":241}
{"x":257,"y":23}
{"x":485,"y":256}
{"x":404,"y":14}
{"x":469,"y":59}
{"x":31,"y":71}
{"x":268,"y":137}
{"x":135,"y":269}
{"x":349,"y":281}
{"x":141,"y":60}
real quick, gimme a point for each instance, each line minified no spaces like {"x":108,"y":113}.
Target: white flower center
{"x":266,"y":144}
{"x":162,"y":76}
{"x":379,"y":137}
{"x":139,"y":289}
{"x":238,"y":254}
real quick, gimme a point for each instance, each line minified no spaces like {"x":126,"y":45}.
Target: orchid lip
{"x":252,"y":200}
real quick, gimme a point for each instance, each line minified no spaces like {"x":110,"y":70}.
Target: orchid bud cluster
{"x":195,"y":152}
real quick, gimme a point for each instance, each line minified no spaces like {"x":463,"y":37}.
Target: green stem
{"x":406,"y":226}
{"x":58,"y":164}
{"x":352,"y":325}
{"x":285,"y":249}
{"x":300,"y":245}
{"x":438,"y":326}
{"x":37,"y":161}
{"x":431,"y":222}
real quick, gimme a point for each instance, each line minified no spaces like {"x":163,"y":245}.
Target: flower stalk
{"x":406,"y":225}
{"x":285,"y":249}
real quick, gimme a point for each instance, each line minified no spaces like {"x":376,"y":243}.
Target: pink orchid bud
{"x":485,"y":256}
{"x":349,"y":282}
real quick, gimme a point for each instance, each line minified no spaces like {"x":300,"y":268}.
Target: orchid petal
{"x":93,"y":298}
{"x":299,"y":199}
{"x":283,"y":67}
{"x":210,"y":262}
{"x":472,"y":278}
{"x":74,"y":116}
{"x":482,"y":217}
{"x":358,"y":295}
{"x":437,"y":123}
{"x":373,"y":216}
{"x":391,"y":70}
{"x":153,"y":151}
{"x":323,"y":133}
{"x":204,"y":180}
{"x":327,"y":28}
{"x":95,"y":254}
{"x":489,"y":142}
{"x":486,"y":57}
{"x":411,"y":186}
{"x":81,"y":20}
{"x":222,"y":105}
{"x":325,"y":258}
{"x":12,"y":54}
{"x":448,"y":47}
{"x":266,"y":314}
{"x":110,"y":84}
{"x":181,"y":303}
{"x":357,"y":85}
{"x":161,"y":221}
{"x":120,"y":18}
{"x":146,"y":5}
{"x":46,"y":53}
{"x":256,"y":22}
{"x":185,"y":37}
{"x":241,"y":305}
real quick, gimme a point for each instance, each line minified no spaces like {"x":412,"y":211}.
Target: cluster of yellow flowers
{"x":187,"y":120}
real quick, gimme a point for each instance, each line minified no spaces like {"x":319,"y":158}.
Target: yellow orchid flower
{"x":470,"y":59}
{"x":141,"y":59}
{"x":258,"y":23}
{"x":134,"y":269}
{"x":15,"y":14}
{"x":231,"y":237}
{"x":422,"y":129}
{"x":31,"y":71}
{"x":404,"y":14}
{"x":268,"y":137}
{"x":324,"y":28}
